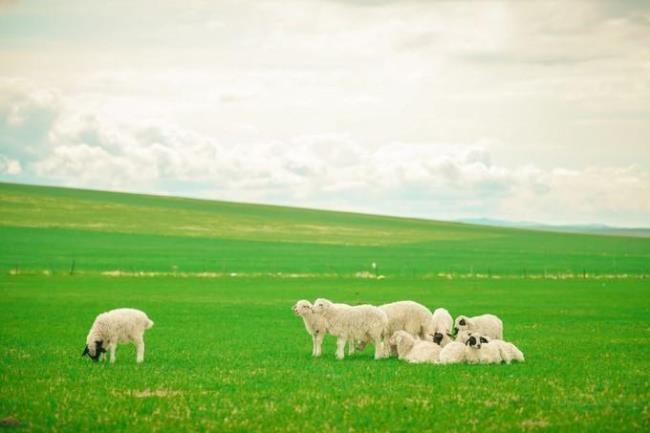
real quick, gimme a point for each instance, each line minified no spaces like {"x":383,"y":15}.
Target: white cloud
{"x":8,"y":166}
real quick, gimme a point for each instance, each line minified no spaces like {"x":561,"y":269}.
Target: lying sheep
{"x":487,"y":325}
{"x":414,"y":350}
{"x":357,"y":323}
{"x":315,"y":324}
{"x":478,"y":351}
{"x":452,"y":353}
{"x":124,"y":325}
{"x":442,"y":325}
{"x":508,"y":351}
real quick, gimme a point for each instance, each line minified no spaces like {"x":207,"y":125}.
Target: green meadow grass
{"x":227,"y":354}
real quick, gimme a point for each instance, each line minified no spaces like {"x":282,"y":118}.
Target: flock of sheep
{"x":405,"y":328}
{"x":409,"y":330}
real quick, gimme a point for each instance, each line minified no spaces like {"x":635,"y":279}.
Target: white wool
{"x":487,"y":325}
{"x":356,"y":323}
{"x":409,"y":316}
{"x":414,"y":350}
{"x":442,"y":325}
{"x":479,"y":351}
{"x":315,"y":324}
{"x":508,"y":351}
{"x":120,"y":326}
{"x":452,"y":353}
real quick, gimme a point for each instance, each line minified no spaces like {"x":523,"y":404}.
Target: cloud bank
{"x":331,"y":170}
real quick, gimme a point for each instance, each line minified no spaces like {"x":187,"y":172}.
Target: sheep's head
{"x":321,"y":305}
{"x":302,"y":307}
{"x":397,"y":338}
{"x":94,"y":351}
{"x":475,"y":341}
{"x":462,"y":322}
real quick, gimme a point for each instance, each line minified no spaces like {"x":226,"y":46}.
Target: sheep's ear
{"x":483,"y":340}
{"x":86,"y":352}
{"x":462,"y":322}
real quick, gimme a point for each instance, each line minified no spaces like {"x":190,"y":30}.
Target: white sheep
{"x":508,"y":351}
{"x":315,"y":324}
{"x":414,"y":350}
{"x":442,"y":325}
{"x":452,"y":353}
{"x":123,"y":325}
{"x":357,"y":323}
{"x":478,"y":351}
{"x":487,"y":325}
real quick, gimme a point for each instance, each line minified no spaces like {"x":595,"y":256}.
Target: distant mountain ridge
{"x":600,"y":229}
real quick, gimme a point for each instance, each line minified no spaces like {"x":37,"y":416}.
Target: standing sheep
{"x":442,"y":325}
{"x":123,"y":325}
{"x":414,"y":350}
{"x":487,"y":325}
{"x":315,"y":324}
{"x":358,"y":323}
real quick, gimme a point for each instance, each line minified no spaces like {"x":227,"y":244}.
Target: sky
{"x":517,"y":110}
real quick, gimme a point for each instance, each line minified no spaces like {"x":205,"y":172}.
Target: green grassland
{"x":227,"y":354}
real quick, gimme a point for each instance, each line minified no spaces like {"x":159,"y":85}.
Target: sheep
{"x":478,"y":351}
{"x":123,"y":325}
{"x":414,"y":350}
{"x":508,"y":351}
{"x":409,"y":316}
{"x":315,"y":324}
{"x":442,"y":325}
{"x":452,"y":353}
{"x":358,"y":323}
{"x":487,"y":325}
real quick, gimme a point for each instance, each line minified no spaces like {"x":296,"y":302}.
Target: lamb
{"x":315,"y":324}
{"x":508,"y":351}
{"x":452,"y":353}
{"x":414,"y":350}
{"x":442,"y":325}
{"x":487,"y":325}
{"x":358,"y":323}
{"x":478,"y":351}
{"x":123,"y":325}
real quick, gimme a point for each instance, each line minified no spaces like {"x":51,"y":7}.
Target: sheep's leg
{"x":318,"y":343}
{"x":379,"y":346}
{"x":112,"y":351}
{"x":340,"y":348}
{"x":139,"y":350}
{"x":313,"y":345}
{"x":350,"y":347}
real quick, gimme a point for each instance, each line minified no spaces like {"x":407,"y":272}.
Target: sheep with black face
{"x":442,"y":324}
{"x":477,"y":351}
{"x":123,"y":325}
{"x":487,"y":325}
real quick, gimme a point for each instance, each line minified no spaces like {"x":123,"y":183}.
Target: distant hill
{"x":599,"y":229}
{"x":48,"y":229}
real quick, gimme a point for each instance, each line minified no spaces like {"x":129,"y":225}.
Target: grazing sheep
{"x":124,"y":325}
{"x":487,"y":325}
{"x":442,"y":325}
{"x":357,"y":323}
{"x":409,"y":316}
{"x":478,"y":351}
{"x":452,"y":353}
{"x":414,"y":350}
{"x":508,"y":351}
{"x":315,"y":324}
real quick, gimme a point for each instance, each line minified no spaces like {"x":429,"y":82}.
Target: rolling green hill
{"x":49,"y":229}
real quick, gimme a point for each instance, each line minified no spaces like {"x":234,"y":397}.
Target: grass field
{"x":227,"y":354}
